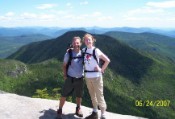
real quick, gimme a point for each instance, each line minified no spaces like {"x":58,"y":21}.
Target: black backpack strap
{"x":70,"y":59}
{"x":76,"y":57}
{"x":89,"y":71}
{"x":70,"y":56}
{"x":83,"y":54}
{"x":94,"y":55}
{"x":85,"y":50}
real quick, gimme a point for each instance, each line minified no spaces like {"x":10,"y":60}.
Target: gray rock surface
{"x":13,"y":106}
{"x":2,"y":92}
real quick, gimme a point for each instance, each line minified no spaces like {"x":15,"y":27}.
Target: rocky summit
{"x":13,"y":106}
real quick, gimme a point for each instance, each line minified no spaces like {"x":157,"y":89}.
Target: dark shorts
{"x":71,"y":85}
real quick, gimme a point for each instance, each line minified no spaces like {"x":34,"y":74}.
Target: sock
{"x":95,"y":110}
{"x":103,"y":114}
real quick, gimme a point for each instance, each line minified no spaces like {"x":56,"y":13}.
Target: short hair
{"x":76,"y":37}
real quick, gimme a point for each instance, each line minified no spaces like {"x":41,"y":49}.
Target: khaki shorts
{"x":71,"y":85}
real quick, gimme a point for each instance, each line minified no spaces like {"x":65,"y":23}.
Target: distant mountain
{"x":99,"y":30}
{"x":10,"y":44}
{"x":17,"y":31}
{"x":48,"y":31}
{"x":151,"y":43}
{"x":58,"y":31}
{"x":145,"y":29}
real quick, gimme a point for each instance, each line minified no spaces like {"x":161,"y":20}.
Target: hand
{"x":69,"y":49}
{"x":102,"y":71}
{"x":65,"y":77}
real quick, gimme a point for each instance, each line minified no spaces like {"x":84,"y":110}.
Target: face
{"x":76,"y":43}
{"x":88,"y":41}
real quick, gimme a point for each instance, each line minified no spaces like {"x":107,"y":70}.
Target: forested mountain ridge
{"x":10,"y":44}
{"x":151,"y":43}
{"x":124,"y":60}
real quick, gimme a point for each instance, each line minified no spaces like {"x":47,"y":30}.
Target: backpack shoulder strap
{"x":83,"y":54}
{"x":85,"y":50}
{"x":94,"y":55}
{"x":70,"y":59}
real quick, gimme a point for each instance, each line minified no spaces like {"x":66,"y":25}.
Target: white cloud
{"x":46,"y":6}
{"x":58,"y":12}
{"x":172,"y":19}
{"x":33,"y":16}
{"x":163,"y":4}
{"x":46,"y":16}
{"x":149,"y":17}
{"x":10,"y":14}
{"x":104,"y":18}
{"x":84,"y":3}
{"x":7,"y":17}
{"x":96,"y":14}
{"x":28,"y":15}
{"x":150,"y":11}
{"x":92,"y":17}
{"x":68,"y":4}
{"x":145,"y":11}
{"x":3,"y":18}
{"x":69,"y":16}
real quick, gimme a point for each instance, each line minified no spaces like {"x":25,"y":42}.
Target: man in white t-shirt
{"x":93,"y":75}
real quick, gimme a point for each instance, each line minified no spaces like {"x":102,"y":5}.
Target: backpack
{"x":100,"y":63}
{"x":70,"y":59}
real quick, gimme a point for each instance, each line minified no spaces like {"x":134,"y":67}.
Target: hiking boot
{"x":78,"y":112}
{"x":59,"y":114}
{"x":94,"y":115}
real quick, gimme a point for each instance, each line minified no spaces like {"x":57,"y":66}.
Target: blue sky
{"x":88,"y":13}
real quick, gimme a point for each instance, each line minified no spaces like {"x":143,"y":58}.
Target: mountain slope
{"x":10,"y":44}
{"x":148,"y":42}
{"x":15,"y":76}
{"x":120,"y":94}
{"x":124,"y":60}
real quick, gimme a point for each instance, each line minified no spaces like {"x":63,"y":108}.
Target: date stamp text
{"x":152,"y":103}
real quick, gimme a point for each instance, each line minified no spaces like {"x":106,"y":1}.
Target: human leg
{"x":78,"y":88}
{"x":100,"y":97}
{"x":92,"y":93}
{"x":66,"y":91}
{"x":90,"y":86}
{"x":62,"y":101}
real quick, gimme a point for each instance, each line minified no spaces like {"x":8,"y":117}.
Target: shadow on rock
{"x":52,"y":114}
{"x":48,"y":114}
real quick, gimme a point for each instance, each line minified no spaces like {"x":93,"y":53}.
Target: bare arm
{"x":64,"y":71}
{"x":106,"y":62}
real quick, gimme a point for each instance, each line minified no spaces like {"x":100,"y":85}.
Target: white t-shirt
{"x":90,"y":63}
